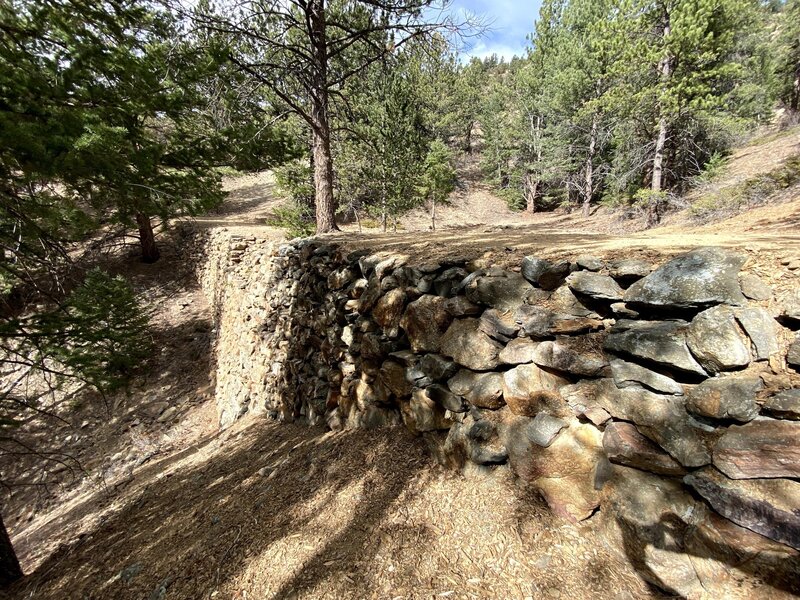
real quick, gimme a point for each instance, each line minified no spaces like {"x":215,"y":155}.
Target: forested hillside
{"x":127,"y":126}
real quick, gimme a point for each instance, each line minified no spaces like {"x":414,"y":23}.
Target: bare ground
{"x":286,"y":511}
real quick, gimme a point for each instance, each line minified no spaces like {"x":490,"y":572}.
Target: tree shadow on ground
{"x":192,"y":525}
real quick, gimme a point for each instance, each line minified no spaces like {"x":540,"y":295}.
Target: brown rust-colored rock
{"x":389,"y":310}
{"x":725,"y":398}
{"x":528,"y":389}
{"x":624,"y":445}
{"x":770,"y":507}
{"x":760,"y":449}
{"x":425,"y":321}
{"x":484,"y":390}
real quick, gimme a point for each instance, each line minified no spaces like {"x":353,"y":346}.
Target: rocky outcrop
{"x":667,"y":405}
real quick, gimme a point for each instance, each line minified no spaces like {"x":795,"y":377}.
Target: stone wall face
{"x":666,"y":399}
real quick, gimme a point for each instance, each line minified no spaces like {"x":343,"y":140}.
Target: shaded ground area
{"x":287,"y":511}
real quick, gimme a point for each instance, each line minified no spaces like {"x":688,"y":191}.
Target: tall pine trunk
{"x":795,"y":104}
{"x":531,"y":191}
{"x":10,"y":571}
{"x":665,"y":67}
{"x":588,"y":184}
{"x":320,"y":125}
{"x":147,"y":238}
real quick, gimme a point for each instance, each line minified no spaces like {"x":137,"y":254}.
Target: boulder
{"x":564,"y":472}
{"x":505,"y":292}
{"x":484,"y":390}
{"x":628,"y":270}
{"x":762,"y":330}
{"x":589,"y":263}
{"x":499,"y":325}
{"x":698,"y":279}
{"x":425,"y":321}
{"x":528,"y":389}
{"x":446,"y":399}
{"x":465,"y":343}
{"x":537,"y":322}
{"x":628,"y":374}
{"x":661,"y":418}
{"x":570,"y":355}
{"x":544,"y":429}
{"x":659,"y":342}
{"x":460,"y":306}
{"x":370,"y":394}
{"x":784,"y":405}
{"x":518,"y":351}
{"x":543,"y":273}
{"x":595,"y":286}
{"x":762,"y":448}
{"x":726,"y":398}
{"x":449,"y":281}
{"x":754,"y":288}
{"x":476,"y":440}
{"x":793,"y":355}
{"x":389,"y":310}
{"x":421,"y":413}
{"x":436,"y":367}
{"x":393,"y":376}
{"x":370,"y":296}
{"x":770,"y":507}
{"x":564,"y":301}
{"x":716,"y":342}
{"x":624,"y":445}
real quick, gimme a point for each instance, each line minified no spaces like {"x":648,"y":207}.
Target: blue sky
{"x":511,"y":21}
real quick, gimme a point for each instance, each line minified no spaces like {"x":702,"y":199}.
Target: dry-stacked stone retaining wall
{"x":667,"y":399}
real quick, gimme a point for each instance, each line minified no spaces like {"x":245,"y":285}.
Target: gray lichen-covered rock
{"x":589,"y":263}
{"x":793,"y":356}
{"x":726,"y":398}
{"x":425,"y":321}
{"x":715,"y":340}
{"x":628,"y":374}
{"x":528,"y":389}
{"x":446,"y":399}
{"x":770,"y":507}
{"x":698,"y":279}
{"x":505,"y":292}
{"x":762,"y":330}
{"x":537,"y":322}
{"x":544,"y":429}
{"x":595,"y":285}
{"x":465,"y":343}
{"x":763,"y":448}
{"x":484,"y":390}
{"x":624,"y":445}
{"x":784,"y":405}
{"x":543,"y":273}
{"x":790,"y":307}
{"x":564,"y":301}
{"x":629,"y":270}
{"x":518,"y":351}
{"x":460,"y":306}
{"x":499,"y":325}
{"x":659,"y":342}
{"x":570,"y":356}
{"x":437,"y":367}
{"x":661,"y":418}
{"x":753,"y":287}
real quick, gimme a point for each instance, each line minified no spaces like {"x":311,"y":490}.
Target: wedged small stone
{"x":446,"y":399}
{"x":764,"y":448}
{"x":544,"y":429}
{"x":449,"y":281}
{"x":762,"y":330}
{"x":506,"y":292}
{"x":595,"y":285}
{"x":518,"y":351}
{"x":389,"y":310}
{"x":563,"y":473}
{"x":484,"y":390}
{"x":659,"y":342}
{"x":589,"y":263}
{"x":784,"y":405}
{"x":425,"y":321}
{"x":628,"y":374}
{"x":623,"y":311}
{"x":533,"y":268}
{"x":393,"y":376}
{"x":661,"y":418}
{"x":543,"y":273}
{"x":754,"y":288}
{"x":624,"y":445}
{"x":595,"y":415}
{"x":460,"y":306}
{"x":770,"y":507}
{"x":421,"y":413}
{"x":629,"y":270}
{"x":568,"y":355}
{"x":466,"y":344}
{"x":499,"y":325}
{"x":528,"y":389}
{"x":698,"y":279}
{"x":537,"y":322}
{"x":726,"y":398}
{"x":716,"y":342}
